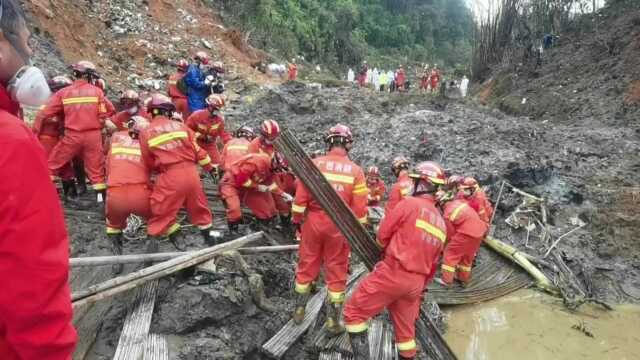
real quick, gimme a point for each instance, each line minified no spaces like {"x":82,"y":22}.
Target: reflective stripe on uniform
{"x":363,"y":220}
{"x":339,"y":178}
{"x":127,"y":151}
{"x":173,"y":82}
{"x":360,"y":189}
{"x":111,"y":230}
{"x":238,"y":147}
{"x":456,"y":212}
{"x":205,"y":161}
{"x":99,"y":186}
{"x":464,"y":268}
{"x":406,"y":345}
{"x":421,"y":224}
{"x":448,"y":268}
{"x":161,"y":139}
{"x":336,"y":297}
{"x":273,"y":186}
{"x":247,"y":183}
{"x":302,"y":288}
{"x":173,"y":228}
{"x":357,"y":328}
{"x":80,"y":100}
{"x":298,"y":208}
{"x":405,"y":191}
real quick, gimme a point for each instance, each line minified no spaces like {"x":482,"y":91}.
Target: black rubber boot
{"x":116,"y":248}
{"x":285,"y":221}
{"x":69,"y":192}
{"x":301,"y":304}
{"x":209,"y":239}
{"x":334,"y":328}
{"x":177,"y":239}
{"x":81,"y":176}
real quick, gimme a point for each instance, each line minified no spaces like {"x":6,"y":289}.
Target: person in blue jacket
{"x":197,"y":82}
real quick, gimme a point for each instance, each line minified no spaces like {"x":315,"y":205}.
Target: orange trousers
{"x":389,"y":285}
{"x":88,"y":146}
{"x":458,"y":257}
{"x":182,"y":106}
{"x":48,"y":143}
{"x":261,"y":204}
{"x":212,"y":149}
{"x":123,"y":201}
{"x":176,"y":187}
{"x":322,"y":245}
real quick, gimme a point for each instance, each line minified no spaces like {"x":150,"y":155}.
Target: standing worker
{"x":292,"y":69}
{"x":236,"y":148}
{"x":132,"y":106}
{"x":412,"y":237}
{"x":128,"y":183}
{"x":375,"y":185}
{"x":35,"y":301}
{"x":208,"y":125}
{"x":403,"y":186}
{"x":465,"y":232}
{"x":400,"y":79}
{"x":178,"y":97}
{"x":470,"y":190}
{"x":434,"y":78}
{"x":197,"y":82}
{"x":85,"y":109}
{"x":169,"y":148}
{"x":322,"y":244}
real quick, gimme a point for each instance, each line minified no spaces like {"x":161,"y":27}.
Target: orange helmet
{"x":160,"y":105}
{"x":270,"y":129}
{"x":373,"y":172}
{"x":339,"y":134}
{"x":429,"y":171}
{"x":182,"y":65}
{"x":468,"y":183}
{"x":59,"y":82}
{"x":84,"y":67}
{"x":214,"y":102}
{"x":399,"y":163}
{"x":245,"y":132}
{"x":202,"y":57}
{"x":129,"y":96}
{"x":218,"y":66}
{"x":454,"y":180}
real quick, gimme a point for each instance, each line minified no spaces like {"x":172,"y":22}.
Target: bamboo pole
{"x":157,"y":257}
{"x":516,"y":256}
{"x":122,"y":283}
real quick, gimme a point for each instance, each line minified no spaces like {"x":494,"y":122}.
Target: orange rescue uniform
{"x":121,"y":119}
{"x":287,"y":182}
{"x":401,"y":189}
{"x":179,"y":99}
{"x":258,"y":146}
{"x":293,"y":71}
{"x":321,"y":242}
{"x":49,"y":131}
{"x":208,"y":128}
{"x":479,"y":202}
{"x":465,"y":232}
{"x":412,"y":236}
{"x":128,"y":184}
{"x":84,"y":108}
{"x":376,"y":192}
{"x":233,"y":151}
{"x":169,"y":148}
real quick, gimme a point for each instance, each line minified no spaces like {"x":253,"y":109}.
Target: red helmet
{"x":468,"y":183}
{"x":202,"y":57}
{"x":84,"y":67}
{"x":270,"y":129}
{"x":218,"y":66}
{"x":160,"y":104}
{"x":182,"y":65}
{"x":399,"y":163}
{"x":429,"y":171}
{"x":339,"y":133}
{"x":245,"y":132}
{"x":373,"y":171}
{"x":454,"y":180}
{"x":215,"y":102}
{"x":59,"y":82}
{"x":130,"y":96}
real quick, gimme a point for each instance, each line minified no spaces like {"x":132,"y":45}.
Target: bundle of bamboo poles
{"x":363,"y":245}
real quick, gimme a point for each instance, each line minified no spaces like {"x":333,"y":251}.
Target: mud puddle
{"x":528,"y":325}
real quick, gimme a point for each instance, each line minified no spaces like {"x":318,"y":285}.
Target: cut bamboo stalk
{"x":135,"y":330}
{"x":156,"y":348}
{"x":157,"y":257}
{"x":130,"y":281}
{"x":514,"y":254}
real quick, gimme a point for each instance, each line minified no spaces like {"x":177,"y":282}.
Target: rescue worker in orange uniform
{"x":169,"y":148}
{"x":375,"y":185}
{"x":434,"y":79}
{"x":424,"y":79}
{"x":128,"y":182}
{"x":403,"y":186}
{"x":237,"y":147}
{"x":286,"y":181}
{"x":85,"y":109}
{"x":49,"y":131}
{"x":132,"y":106}
{"x":263,"y":144}
{"x":470,"y":190}
{"x":250,"y":181}
{"x":322,"y":245}
{"x":292,"y":69}
{"x":179,"y":99}
{"x":412,"y":237}
{"x":465,"y":232}
{"x":400,"y":79}
{"x":208,"y":125}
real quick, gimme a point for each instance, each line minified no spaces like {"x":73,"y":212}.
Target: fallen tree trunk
{"x":361,"y":242}
{"x":157,"y":257}
{"x":130,"y":281}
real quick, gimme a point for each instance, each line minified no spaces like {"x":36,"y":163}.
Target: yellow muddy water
{"x":528,"y":325}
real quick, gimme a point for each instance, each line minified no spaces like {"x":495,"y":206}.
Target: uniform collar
{"x":338,"y":151}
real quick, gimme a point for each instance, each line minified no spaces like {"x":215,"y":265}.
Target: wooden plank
{"x":156,"y":348}
{"x":135,"y":330}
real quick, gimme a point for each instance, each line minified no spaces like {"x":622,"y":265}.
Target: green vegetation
{"x":345,"y":32}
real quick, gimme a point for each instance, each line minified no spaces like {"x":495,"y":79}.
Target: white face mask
{"x":133,"y":110}
{"x":29,"y":87}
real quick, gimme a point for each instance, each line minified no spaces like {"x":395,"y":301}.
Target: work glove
{"x":287,"y":197}
{"x":208,"y":80}
{"x":263,"y":188}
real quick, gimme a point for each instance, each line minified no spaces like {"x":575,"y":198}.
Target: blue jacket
{"x":197,"y":91}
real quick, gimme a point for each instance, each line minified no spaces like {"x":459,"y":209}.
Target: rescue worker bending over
{"x":208,"y":126}
{"x":269,"y":131}
{"x":375,"y":185}
{"x":470,"y":190}
{"x":237,"y":147}
{"x":132,"y":106}
{"x":128,"y":183}
{"x":403,"y":186}
{"x":250,"y":181}
{"x":322,"y":244}
{"x":465,"y":232}
{"x":178,"y":98}
{"x":169,"y":148}
{"x":84,"y":108}
{"x":412,"y":237}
